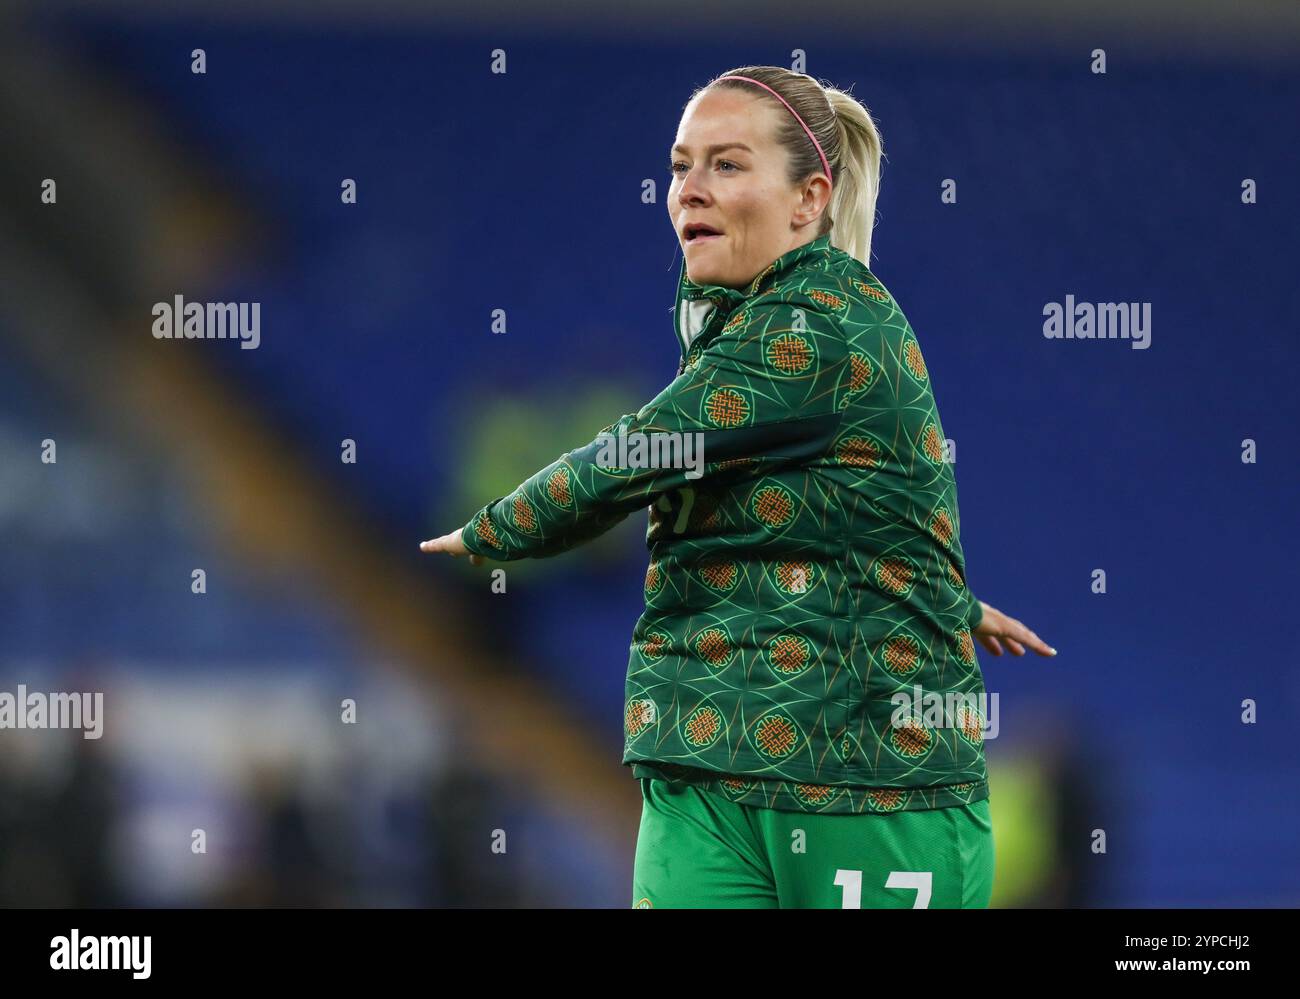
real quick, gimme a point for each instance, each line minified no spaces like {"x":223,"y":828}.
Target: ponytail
{"x":852,"y":209}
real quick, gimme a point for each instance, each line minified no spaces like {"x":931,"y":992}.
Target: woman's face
{"x":729,"y":174}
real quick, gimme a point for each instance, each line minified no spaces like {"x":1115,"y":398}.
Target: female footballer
{"x":804,"y":707}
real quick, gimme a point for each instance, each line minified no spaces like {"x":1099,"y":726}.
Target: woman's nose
{"x":692,"y":188}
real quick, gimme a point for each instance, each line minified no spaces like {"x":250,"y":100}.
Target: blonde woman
{"x":804,"y":707}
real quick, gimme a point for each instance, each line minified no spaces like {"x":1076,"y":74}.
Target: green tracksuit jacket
{"x":807,"y":635}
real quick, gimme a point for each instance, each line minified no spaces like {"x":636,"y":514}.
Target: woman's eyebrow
{"x":717,"y":147}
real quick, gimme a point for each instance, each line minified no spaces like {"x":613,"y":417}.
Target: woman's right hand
{"x":996,"y":628}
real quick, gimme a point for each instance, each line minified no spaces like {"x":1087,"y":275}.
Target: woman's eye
{"x":672,"y":167}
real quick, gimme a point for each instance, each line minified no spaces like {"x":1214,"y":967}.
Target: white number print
{"x":918,"y":881}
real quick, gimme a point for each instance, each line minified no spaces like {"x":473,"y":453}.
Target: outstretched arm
{"x":765,"y":392}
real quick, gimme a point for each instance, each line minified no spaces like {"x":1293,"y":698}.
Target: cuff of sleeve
{"x":470,"y":539}
{"x":976,"y":614}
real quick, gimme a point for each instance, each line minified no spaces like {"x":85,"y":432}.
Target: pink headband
{"x":825,"y":165}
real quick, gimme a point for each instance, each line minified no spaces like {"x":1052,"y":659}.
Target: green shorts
{"x":697,"y":849}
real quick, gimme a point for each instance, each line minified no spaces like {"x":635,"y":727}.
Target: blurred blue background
{"x":480,"y":713}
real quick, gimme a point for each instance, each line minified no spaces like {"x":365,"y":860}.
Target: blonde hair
{"x":848,"y":137}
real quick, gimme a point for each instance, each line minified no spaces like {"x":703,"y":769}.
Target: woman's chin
{"x":700,"y":273}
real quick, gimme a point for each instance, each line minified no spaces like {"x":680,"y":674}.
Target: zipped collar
{"x":698,"y":305}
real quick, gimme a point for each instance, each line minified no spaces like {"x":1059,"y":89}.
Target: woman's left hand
{"x":452,"y":545}
{"x":995,"y":625}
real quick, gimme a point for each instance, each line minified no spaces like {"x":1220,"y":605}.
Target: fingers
{"x":996,"y":625}
{"x":453,"y":546}
{"x":1033,"y":641}
{"x":1029,"y":638}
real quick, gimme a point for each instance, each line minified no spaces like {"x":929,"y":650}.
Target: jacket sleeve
{"x":767,"y":388}
{"x":976,"y":614}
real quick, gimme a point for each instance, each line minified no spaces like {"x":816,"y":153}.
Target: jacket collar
{"x":697,"y":303}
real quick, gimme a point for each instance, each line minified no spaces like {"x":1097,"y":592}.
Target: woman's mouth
{"x":695,"y":233}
